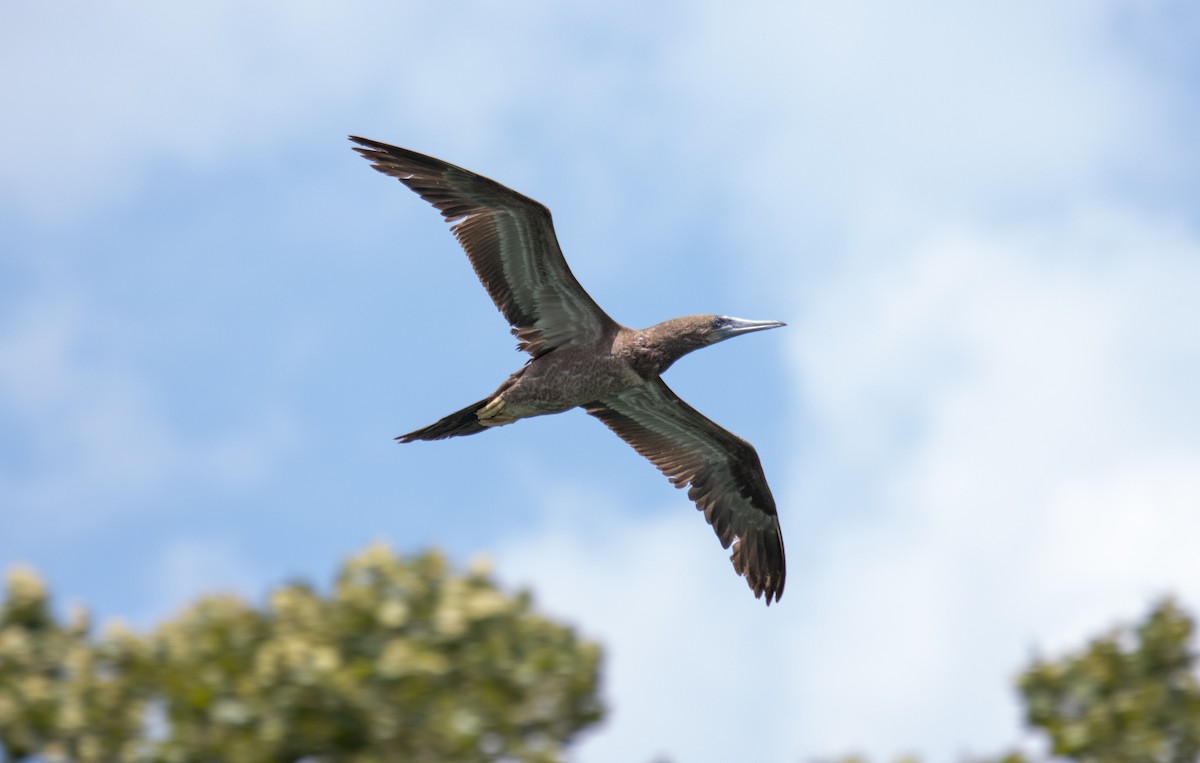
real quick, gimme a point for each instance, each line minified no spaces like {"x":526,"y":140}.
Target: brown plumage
{"x":583,"y":358}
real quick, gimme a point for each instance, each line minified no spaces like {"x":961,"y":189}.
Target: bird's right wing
{"x":510,"y":241}
{"x":723,"y":470}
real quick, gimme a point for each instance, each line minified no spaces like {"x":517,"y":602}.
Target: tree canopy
{"x":1130,"y":696}
{"x":405,"y":659}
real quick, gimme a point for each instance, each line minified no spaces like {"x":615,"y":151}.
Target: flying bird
{"x":582,"y":358}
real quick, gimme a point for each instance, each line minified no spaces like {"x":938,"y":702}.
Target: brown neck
{"x":653,"y":350}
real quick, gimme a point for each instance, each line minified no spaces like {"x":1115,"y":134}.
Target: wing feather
{"x":511,"y":243}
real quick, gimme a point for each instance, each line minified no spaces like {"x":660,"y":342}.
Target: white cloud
{"x":1112,"y":544}
{"x":984,"y":388}
{"x":851,"y":130}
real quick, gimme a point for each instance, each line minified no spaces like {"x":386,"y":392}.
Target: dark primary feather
{"x":723,"y":470}
{"x":510,"y":241}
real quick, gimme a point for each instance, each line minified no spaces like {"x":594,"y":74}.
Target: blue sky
{"x":981,"y":424}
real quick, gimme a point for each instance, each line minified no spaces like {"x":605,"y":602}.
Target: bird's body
{"x":570,"y":377}
{"x":583,"y":358}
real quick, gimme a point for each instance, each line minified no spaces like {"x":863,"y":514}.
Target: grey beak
{"x":731,"y":327}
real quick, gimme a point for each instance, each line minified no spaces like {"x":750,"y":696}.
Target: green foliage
{"x":405,"y":660}
{"x":62,"y":695}
{"x":1130,"y":697}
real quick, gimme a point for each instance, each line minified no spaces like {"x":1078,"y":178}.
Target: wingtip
{"x":773,"y":591}
{"x":764,"y":566}
{"x":370,"y":149}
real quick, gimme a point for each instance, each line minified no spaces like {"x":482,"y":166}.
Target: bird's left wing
{"x":723,"y":470}
{"x":511,"y":243}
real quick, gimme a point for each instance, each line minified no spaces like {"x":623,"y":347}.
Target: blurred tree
{"x":404,"y":660}
{"x":63,"y":696}
{"x":1130,"y":697}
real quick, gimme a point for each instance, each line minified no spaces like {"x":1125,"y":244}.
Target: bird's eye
{"x":719,"y":321}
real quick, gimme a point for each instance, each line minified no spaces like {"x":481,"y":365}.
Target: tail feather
{"x":457,"y":424}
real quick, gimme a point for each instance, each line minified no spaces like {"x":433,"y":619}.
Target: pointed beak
{"x":734,"y":326}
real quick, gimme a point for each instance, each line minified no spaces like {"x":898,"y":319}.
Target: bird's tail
{"x":457,"y":424}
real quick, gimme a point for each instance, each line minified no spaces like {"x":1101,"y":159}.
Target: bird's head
{"x":669,"y":341}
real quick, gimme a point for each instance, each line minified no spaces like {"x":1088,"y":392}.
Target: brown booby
{"x":583,"y":358}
